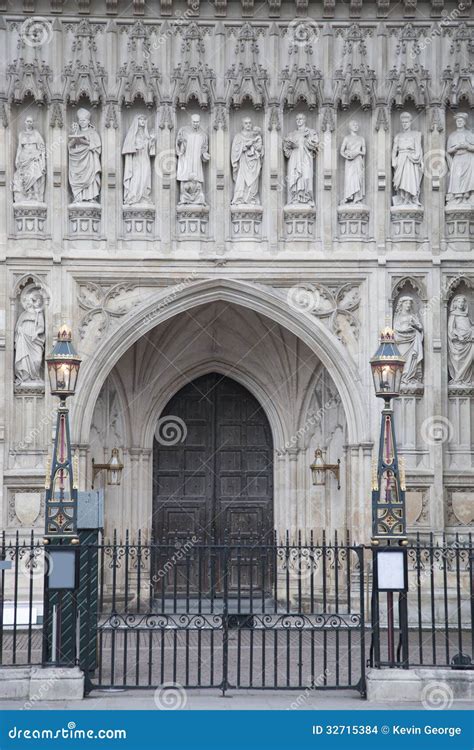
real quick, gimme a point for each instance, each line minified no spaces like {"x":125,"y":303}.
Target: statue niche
{"x":460,"y":343}
{"x":84,"y":148}
{"x":409,"y":334}
{"x":29,"y":340}
{"x":246,"y":160}
{"x":29,"y":178}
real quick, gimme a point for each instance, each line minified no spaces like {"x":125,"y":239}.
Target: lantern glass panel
{"x":114,"y":472}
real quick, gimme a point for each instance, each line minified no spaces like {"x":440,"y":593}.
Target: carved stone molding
{"x":84,"y":75}
{"x":355,"y":80}
{"x":381,"y":121}
{"x":406,"y":222}
{"x":459,"y":222}
{"x":139,"y":222}
{"x":460,"y":506}
{"x":28,"y":79}
{"x":139,"y":78}
{"x":274,"y":119}
{"x":85,"y":220}
{"x":417,"y":501}
{"x":246,"y":78}
{"x":337,"y":307}
{"x":29,"y":219}
{"x":246,"y":221}
{"x":56,"y":115}
{"x":193,"y":78}
{"x":300,"y":222}
{"x":220,"y":117}
{"x":417,"y":284}
{"x":192,"y":221}
{"x":457,"y":76}
{"x":353,"y":221}
{"x":25,"y":506}
{"x":105,"y":305}
{"x":111,"y":116}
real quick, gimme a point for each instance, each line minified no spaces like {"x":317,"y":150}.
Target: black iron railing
{"x":280,"y":614}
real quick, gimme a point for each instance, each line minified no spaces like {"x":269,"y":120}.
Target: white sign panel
{"x":391,"y":570}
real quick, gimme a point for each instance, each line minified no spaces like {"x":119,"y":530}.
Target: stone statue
{"x":353,"y":151}
{"x":246,"y":158}
{"x":300,"y":147}
{"x":192,"y":148}
{"x":460,"y":342}
{"x":409,"y":337}
{"x":29,"y":339}
{"x":407,"y":162}
{"x":138,"y":146}
{"x":30,"y":166}
{"x":84,"y":148}
{"x":461,"y":149}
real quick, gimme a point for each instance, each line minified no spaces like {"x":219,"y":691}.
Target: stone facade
{"x":163,"y":277}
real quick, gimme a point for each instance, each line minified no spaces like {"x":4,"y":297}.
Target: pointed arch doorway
{"x":213,"y":465}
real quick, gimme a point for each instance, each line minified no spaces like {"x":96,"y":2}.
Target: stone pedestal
{"x":192,"y":221}
{"x":459,"y":222}
{"x":353,"y":220}
{"x":29,"y":218}
{"x":406,"y":222}
{"x":30,"y":388}
{"x":300,"y":221}
{"x":246,"y":221}
{"x":85,"y":220}
{"x":412,"y":388}
{"x":139,"y":221}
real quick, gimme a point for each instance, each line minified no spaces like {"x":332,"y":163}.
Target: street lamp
{"x":319,"y":469}
{"x":62,"y":572}
{"x":388,"y":485}
{"x":388,"y":503}
{"x":61,"y":487}
{"x":114,"y":469}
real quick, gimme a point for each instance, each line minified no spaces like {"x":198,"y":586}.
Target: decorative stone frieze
{"x":85,"y":220}
{"x":246,"y":221}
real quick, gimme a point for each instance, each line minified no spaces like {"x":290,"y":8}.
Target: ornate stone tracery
{"x":106,"y":256}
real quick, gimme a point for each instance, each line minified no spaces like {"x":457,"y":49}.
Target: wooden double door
{"x":213,"y":476}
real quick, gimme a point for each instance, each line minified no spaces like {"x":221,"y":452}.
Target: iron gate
{"x":276,"y":615}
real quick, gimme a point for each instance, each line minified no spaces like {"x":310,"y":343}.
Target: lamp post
{"x":61,"y":512}
{"x":388,"y":497}
{"x":388,"y":481}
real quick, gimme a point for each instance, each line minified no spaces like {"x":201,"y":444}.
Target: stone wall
{"x":388,"y":239}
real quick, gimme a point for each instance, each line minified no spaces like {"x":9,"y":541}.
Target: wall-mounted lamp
{"x":114,"y":469}
{"x":319,"y":469}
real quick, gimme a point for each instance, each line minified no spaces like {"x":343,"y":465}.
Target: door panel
{"x":216,"y":485}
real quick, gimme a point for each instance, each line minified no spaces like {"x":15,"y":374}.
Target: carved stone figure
{"x":29,"y":339}
{"x":30,"y":166}
{"x":407,"y":162}
{"x":461,"y":149}
{"x":300,"y":147}
{"x":353,"y":151}
{"x":191,"y":192}
{"x":138,"y":146}
{"x":192,"y":148}
{"x":460,"y":342}
{"x":409,"y":337}
{"x":246,"y":158}
{"x":84,"y":159}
